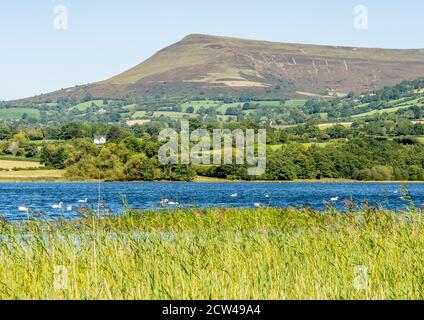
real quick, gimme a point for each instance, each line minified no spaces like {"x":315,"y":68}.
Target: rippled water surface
{"x":40,"y":197}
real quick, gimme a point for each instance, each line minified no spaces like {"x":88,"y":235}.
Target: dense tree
{"x":141,"y":168}
{"x":53,"y":156}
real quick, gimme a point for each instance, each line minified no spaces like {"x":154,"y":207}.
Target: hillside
{"x":218,"y":66}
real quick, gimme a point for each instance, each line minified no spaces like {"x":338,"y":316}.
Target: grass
{"x":223,"y":107}
{"x":17,"y":158}
{"x":203,"y":179}
{"x":227,"y":118}
{"x":137,"y":122}
{"x":85,"y":105}
{"x":400,"y":106}
{"x":10,"y":164}
{"x":277,"y":147}
{"x":195,"y":51}
{"x":319,"y":144}
{"x":295,"y":103}
{"x":139,"y":114}
{"x":199,"y":104}
{"x":176,"y":115}
{"x":216,"y":254}
{"x":376,"y":112}
{"x":130,"y":107}
{"x":17,"y":113}
{"x":324,"y":126}
{"x":32,"y":175}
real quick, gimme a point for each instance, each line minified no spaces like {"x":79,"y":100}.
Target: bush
{"x":53,"y":156}
{"x":140,"y":168}
{"x":377,"y":173}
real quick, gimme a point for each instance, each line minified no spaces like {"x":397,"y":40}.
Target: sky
{"x":104,"y":38}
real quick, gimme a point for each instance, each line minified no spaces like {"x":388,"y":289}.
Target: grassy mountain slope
{"x":219,"y":66}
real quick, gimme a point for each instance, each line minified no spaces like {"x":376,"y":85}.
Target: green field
{"x":85,"y":105}
{"x":319,"y":144}
{"x":324,"y":126}
{"x":17,"y":113}
{"x":130,"y":107}
{"x":199,"y":104}
{"x":175,"y":115}
{"x":267,"y":103}
{"x":227,"y":118}
{"x":139,"y":114}
{"x":402,"y":105}
{"x":223,"y":107}
{"x":295,"y":103}
{"x":376,"y":112}
{"x":277,"y":147}
{"x":10,"y":164}
{"x":50,"y":104}
{"x":31,"y":175}
{"x":324,"y":115}
{"x":216,"y":254}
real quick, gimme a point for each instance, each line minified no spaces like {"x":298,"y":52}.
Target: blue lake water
{"x":40,"y":197}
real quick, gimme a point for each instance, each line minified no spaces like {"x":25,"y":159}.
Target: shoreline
{"x":204,"y":180}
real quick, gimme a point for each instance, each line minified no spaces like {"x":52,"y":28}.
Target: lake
{"x":40,"y":197}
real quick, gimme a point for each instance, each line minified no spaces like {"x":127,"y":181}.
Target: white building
{"x":100,"y":140}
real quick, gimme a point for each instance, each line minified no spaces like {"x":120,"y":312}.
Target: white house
{"x":99,"y":140}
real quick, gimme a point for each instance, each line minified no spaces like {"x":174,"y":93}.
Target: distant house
{"x":99,"y":140}
{"x":101,"y":111}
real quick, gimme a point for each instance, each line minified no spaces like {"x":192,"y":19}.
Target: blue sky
{"x":108,"y":37}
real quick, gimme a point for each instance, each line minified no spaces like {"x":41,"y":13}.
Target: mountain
{"x":220,"y":66}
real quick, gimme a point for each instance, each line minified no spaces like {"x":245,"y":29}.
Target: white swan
{"x":335,"y":199}
{"x":69,"y":208}
{"x":58,"y":206}
{"x":258,"y":205}
{"x":83,"y":200}
{"x":234,"y":195}
{"x":23,"y":209}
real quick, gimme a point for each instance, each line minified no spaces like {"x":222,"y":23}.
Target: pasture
{"x":17,"y":113}
{"x":32,"y":176}
{"x":10,"y":164}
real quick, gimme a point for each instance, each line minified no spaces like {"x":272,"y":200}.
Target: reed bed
{"x":217,"y":254}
